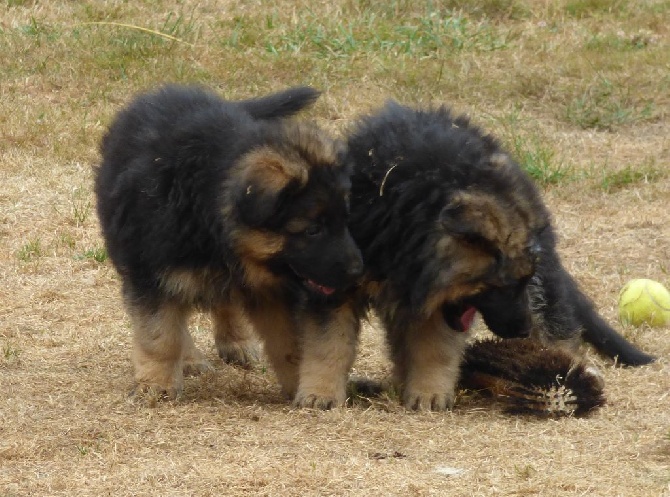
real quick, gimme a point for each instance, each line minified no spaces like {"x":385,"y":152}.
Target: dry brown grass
{"x":585,"y":80}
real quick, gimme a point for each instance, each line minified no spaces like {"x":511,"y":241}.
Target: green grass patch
{"x":539,"y":160}
{"x":534,"y":154}
{"x":82,"y":449}
{"x":433,"y":32}
{"x":589,"y":8}
{"x":31,"y":251}
{"x":647,"y":172}
{"x":123,"y":49}
{"x":618,"y":41}
{"x":36,"y":29}
{"x":81,"y":206}
{"x":67,"y":240}
{"x":98,"y":254}
{"x":177,"y":27}
{"x":494,"y":9}
{"x":606,"y":106}
{"x":10,"y":353}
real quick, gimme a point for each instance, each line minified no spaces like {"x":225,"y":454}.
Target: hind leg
{"x":160,"y":335}
{"x":427,"y":359}
{"x":233,"y":336}
{"x":194,"y":361}
{"x":275,"y":325}
{"x":328,"y":352}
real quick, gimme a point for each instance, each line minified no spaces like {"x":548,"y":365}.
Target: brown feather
{"x":531,"y":378}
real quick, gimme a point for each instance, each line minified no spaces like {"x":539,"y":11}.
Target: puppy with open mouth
{"x":450,"y":226}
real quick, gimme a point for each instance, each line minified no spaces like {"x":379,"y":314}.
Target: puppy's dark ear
{"x":266,"y":178}
{"x":452,"y":219}
{"x":471,"y":215}
{"x":458,"y":219}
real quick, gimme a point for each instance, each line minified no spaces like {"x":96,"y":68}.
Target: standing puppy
{"x":218,"y":205}
{"x":449,"y":225}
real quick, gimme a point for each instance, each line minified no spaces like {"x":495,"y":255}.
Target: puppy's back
{"x":150,"y":125}
{"x":163,"y":162}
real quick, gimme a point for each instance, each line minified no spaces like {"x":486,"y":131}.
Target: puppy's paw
{"x":428,"y":401}
{"x":151,"y":394}
{"x":316,"y":401}
{"x":158,"y":380}
{"x":197,"y":367}
{"x":243,"y":354}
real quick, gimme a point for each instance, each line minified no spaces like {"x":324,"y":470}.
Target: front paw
{"x":158,"y":380}
{"x":152,"y":394}
{"x":428,"y":401}
{"x":319,"y":401}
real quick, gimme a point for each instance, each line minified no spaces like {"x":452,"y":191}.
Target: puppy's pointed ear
{"x":266,"y":178}
{"x":470,"y":216}
{"x":457,"y":219}
{"x":452,"y":219}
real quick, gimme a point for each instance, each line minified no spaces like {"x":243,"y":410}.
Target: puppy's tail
{"x":600,"y":334}
{"x":529,"y":378}
{"x":282,"y":104}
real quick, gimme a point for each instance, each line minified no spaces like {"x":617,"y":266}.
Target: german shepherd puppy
{"x":231,"y":208}
{"x":449,"y":225}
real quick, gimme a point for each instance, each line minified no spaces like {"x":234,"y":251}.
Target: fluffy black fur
{"x":409,"y":167}
{"x":447,"y":221}
{"x":219,"y":204}
{"x":448,"y":225}
{"x":440,"y":154}
{"x":168,"y":169}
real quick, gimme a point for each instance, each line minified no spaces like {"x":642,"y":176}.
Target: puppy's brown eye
{"x":313,"y":230}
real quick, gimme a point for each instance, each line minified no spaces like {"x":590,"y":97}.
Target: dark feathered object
{"x":530,"y":378}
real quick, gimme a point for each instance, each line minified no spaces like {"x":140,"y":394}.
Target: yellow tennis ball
{"x":644,"y":301}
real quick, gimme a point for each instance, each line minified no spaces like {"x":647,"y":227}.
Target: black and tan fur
{"x":230,"y":207}
{"x":449,"y":224}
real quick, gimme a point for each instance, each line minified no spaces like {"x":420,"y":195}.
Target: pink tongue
{"x":323,"y":289}
{"x":467,"y":318}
